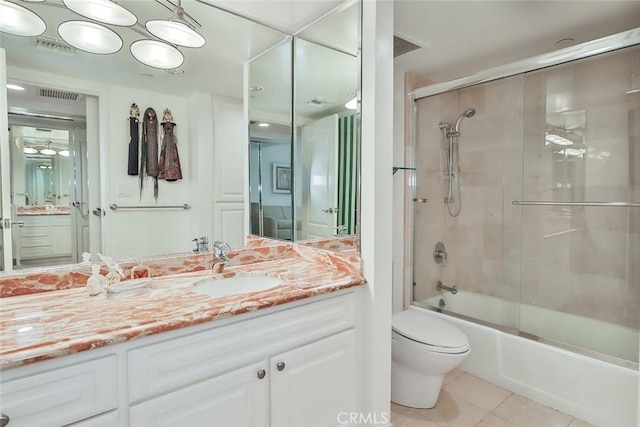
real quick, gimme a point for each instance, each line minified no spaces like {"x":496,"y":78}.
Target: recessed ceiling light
{"x":20,"y":21}
{"x":106,"y":11}
{"x":263,"y":125}
{"x":14,"y":86}
{"x":566,"y":41}
{"x":90,"y":37}
{"x":157,"y":54}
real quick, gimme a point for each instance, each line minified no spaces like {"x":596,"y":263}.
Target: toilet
{"x":424,"y":348}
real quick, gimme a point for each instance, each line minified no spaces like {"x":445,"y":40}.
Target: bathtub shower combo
{"x":541,"y":268}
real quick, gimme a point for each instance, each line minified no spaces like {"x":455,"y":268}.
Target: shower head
{"x":469,"y":112}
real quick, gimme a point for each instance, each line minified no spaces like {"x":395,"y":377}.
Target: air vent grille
{"x":59,"y":94}
{"x":53,"y":44}
{"x":402,"y":46}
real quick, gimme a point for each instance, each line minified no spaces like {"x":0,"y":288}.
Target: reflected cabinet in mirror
{"x":307,"y":129}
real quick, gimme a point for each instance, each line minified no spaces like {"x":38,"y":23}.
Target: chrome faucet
{"x":220,"y":258}
{"x":440,"y":286}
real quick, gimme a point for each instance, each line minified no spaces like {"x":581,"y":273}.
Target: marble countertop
{"x":45,"y":325}
{"x":43,"y":210}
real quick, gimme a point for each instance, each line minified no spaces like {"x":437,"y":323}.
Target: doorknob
{"x":99,"y":212}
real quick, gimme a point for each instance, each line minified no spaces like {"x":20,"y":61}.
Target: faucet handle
{"x":223,"y":246}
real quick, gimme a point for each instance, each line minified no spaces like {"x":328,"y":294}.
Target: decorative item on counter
{"x":140,"y":271}
{"x":96,"y":282}
{"x":115,"y":271}
{"x":149,"y":151}
{"x":169,"y":165}
{"x":134,"y":139}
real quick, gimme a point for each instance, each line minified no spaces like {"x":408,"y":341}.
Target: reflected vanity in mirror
{"x":320,"y":138}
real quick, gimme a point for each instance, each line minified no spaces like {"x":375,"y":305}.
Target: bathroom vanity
{"x":285,"y":356}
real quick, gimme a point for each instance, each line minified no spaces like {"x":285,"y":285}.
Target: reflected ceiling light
{"x":179,"y":29}
{"x":63,"y":153}
{"x":14,"y":87}
{"x":106,"y":11}
{"x":29,"y":150}
{"x":90,"y":37}
{"x":19,"y":21}
{"x":48,"y":151}
{"x":157,"y":54}
{"x":557,"y":139}
{"x":352,"y":104}
{"x":263,"y":125}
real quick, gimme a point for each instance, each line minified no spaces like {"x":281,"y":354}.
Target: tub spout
{"x":440,"y":287}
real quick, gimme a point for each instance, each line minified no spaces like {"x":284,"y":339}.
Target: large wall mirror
{"x":304,"y":135}
{"x":77,"y":104}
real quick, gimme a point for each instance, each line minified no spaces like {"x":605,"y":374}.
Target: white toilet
{"x":424,"y":348}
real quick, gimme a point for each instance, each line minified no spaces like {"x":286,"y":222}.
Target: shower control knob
{"x":440,"y":254}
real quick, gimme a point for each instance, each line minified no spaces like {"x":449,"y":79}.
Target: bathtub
{"x":601,"y":393}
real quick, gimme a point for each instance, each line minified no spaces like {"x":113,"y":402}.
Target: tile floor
{"x":468,"y":401}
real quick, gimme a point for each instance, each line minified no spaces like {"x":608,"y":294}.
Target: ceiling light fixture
{"x":179,"y":29}
{"x":29,"y":150}
{"x":352,"y":104}
{"x":106,"y":11}
{"x":157,"y":54}
{"x":48,"y":151}
{"x":14,"y":86}
{"x":63,"y":153}
{"x":20,"y":21}
{"x":557,"y":139}
{"x":90,"y":37}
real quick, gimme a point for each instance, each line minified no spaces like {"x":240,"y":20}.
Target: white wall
{"x":376,"y":192}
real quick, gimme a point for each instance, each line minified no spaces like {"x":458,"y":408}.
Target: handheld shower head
{"x":469,"y":112}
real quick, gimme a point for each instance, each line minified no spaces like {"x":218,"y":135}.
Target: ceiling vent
{"x":320,"y":102}
{"x":59,"y":94}
{"x":55,"y":45}
{"x":402,"y":46}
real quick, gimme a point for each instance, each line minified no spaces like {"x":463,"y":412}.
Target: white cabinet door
{"x":313,"y":384}
{"x":238,"y":398}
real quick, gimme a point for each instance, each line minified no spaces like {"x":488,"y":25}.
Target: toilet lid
{"x":429,"y":330}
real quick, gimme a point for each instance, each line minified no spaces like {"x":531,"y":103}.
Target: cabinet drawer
{"x":35,"y":242}
{"x":34,"y":231}
{"x":172,"y":364}
{"x":34,"y":221}
{"x":41,"y":252}
{"x":61,"y":396}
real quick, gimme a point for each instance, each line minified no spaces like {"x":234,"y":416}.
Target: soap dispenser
{"x":96,"y":282}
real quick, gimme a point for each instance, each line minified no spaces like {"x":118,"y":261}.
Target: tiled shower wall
{"x":584,"y":261}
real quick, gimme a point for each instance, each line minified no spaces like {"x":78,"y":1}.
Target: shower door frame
{"x":584,"y":50}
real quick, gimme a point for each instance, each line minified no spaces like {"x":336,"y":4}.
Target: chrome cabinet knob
{"x":261,"y":374}
{"x":280,"y":366}
{"x":4,"y":420}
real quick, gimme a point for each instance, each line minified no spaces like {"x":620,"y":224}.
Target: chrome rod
{"x":115,"y":207}
{"x":604,"y":204}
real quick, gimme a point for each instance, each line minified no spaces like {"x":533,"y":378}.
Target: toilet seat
{"x":435,"y":334}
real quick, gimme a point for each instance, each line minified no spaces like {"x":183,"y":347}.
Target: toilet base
{"x":414,"y":389}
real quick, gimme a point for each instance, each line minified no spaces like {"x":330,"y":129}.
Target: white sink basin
{"x":222,"y":287}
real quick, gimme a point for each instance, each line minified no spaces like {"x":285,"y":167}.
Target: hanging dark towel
{"x":149,"y":158}
{"x":169,"y":165}
{"x":134,"y":140}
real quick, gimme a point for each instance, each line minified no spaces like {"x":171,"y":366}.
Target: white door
{"x":315,"y":384}
{"x":320,"y":178}
{"x":6,"y":258}
{"x":238,"y":398}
